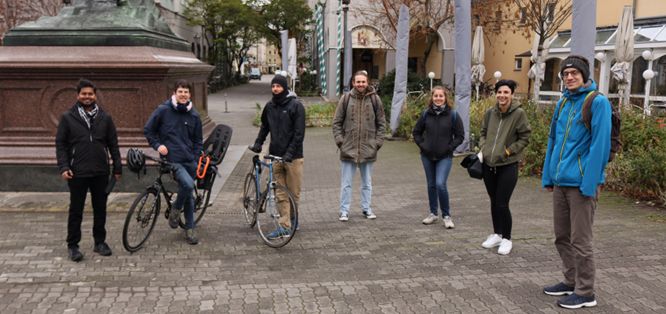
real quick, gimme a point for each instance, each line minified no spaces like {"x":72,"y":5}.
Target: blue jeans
{"x":184,"y":174}
{"x":347,"y":175}
{"x":437,"y":173}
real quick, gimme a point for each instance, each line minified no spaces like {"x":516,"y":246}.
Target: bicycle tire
{"x":250,"y":201}
{"x":268,"y":219}
{"x":201,"y":203}
{"x":145,"y":217}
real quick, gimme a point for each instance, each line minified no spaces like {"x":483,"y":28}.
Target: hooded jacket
{"x":180,"y":132}
{"x":435,"y":135}
{"x":576,"y":156}
{"x":285,"y":122}
{"x":357,"y":130}
{"x":85,"y":150}
{"x":504,"y":135}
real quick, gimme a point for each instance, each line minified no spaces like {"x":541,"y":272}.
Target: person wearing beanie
{"x":358,"y":131}
{"x":175,"y":131}
{"x":284,"y":118}
{"x":574,"y":171}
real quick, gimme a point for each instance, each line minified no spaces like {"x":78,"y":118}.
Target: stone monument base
{"x":37,"y":84}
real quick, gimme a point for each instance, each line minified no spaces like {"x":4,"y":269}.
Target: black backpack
{"x":616,"y":142}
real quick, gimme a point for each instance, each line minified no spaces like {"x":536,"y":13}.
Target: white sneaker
{"x":448,"y":223}
{"x":493,"y":240}
{"x":430,"y":219}
{"x":343,"y":217}
{"x":505,"y":247}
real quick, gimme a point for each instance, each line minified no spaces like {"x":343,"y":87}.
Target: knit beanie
{"x":579,"y":63}
{"x":279,"y":79}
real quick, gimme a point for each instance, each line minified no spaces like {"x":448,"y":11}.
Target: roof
{"x":646,"y":30}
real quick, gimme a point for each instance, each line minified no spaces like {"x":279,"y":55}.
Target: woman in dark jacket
{"x":504,"y":134}
{"x":438,"y":132}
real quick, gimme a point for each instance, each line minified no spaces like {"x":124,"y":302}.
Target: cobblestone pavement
{"x":393,"y":264}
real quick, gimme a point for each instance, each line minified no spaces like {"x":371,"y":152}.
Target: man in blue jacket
{"x":574,"y":171}
{"x":174,"y":130}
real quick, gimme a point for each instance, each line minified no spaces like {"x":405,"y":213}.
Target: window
{"x":523,"y":16}
{"x":518,"y":64}
{"x":550,"y":11}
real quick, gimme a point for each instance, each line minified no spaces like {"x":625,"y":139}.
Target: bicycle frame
{"x":258,"y":164}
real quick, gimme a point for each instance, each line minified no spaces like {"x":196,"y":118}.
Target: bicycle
{"x":215,"y":148}
{"x":146,"y":207}
{"x":260,"y":206}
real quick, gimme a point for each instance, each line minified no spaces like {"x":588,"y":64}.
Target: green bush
{"x":320,"y":115}
{"x":639,"y":169}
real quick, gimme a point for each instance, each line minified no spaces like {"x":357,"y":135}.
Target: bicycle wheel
{"x":141,"y":219}
{"x":201,"y":202}
{"x":250,"y":200}
{"x":268,"y":226}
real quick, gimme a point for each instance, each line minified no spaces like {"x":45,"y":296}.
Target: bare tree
{"x":426,"y":18}
{"x":542,"y":18}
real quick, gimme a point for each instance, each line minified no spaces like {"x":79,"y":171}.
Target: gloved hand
{"x":288,"y":157}
{"x":255,"y":148}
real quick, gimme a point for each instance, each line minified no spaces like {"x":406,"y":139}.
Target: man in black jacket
{"x":86,"y":135}
{"x":284,"y":118}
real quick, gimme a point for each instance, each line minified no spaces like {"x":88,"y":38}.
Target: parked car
{"x":255,"y":74}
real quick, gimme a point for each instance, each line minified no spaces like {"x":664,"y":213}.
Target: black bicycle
{"x":142,"y":215}
{"x":260,"y":207}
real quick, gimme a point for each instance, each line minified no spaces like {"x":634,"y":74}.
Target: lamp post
{"x":648,"y":75}
{"x":348,"y":48}
{"x":431,"y":76}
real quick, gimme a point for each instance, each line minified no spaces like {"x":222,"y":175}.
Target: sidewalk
{"x":393,"y":264}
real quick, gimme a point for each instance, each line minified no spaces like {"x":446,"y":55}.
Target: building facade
{"x":372,"y":42}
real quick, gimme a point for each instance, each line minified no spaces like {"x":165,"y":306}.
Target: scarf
{"x":180,"y":107}
{"x":87,"y":116}
{"x":280,"y":98}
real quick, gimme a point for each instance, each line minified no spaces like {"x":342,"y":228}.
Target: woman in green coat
{"x":504,"y":134}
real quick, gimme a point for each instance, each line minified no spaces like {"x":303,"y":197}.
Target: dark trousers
{"x":500,"y":182}
{"x":78,"y":189}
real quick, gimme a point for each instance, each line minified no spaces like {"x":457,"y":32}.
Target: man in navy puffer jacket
{"x":174,"y":130}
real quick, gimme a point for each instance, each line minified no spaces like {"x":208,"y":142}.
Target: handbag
{"x":473,"y":165}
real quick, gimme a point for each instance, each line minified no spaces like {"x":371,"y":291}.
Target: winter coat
{"x":85,"y":151}
{"x":358,"y":127}
{"x":436,"y":133}
{"x":180,"y":132}
{"x":286,"y":124}
{"x":504,"y":135}
{"x":576,"y":156}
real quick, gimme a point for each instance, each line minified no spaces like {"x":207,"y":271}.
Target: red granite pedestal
{"x":37,"y":84}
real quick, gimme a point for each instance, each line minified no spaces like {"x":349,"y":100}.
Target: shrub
{"x":320,"y":115}
{"x":638,"y":170}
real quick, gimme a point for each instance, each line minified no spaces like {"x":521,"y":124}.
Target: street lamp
{"x":647,"y":75}
{"x":348,"y":48}
{"x":431,"y":76}
{"x":497,"y":75}
{"x":647,"y":55}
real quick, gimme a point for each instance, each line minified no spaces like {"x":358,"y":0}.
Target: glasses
{"x":572,"y":73}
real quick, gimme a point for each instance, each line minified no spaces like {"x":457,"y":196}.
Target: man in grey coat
{"x":358,"y":129}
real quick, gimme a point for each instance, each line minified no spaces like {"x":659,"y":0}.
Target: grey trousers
{"x":573,"y":215}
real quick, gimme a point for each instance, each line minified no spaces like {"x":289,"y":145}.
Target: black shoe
{"x":575,"y":301}
{"x":75,"y":255}
{"x":558,"y":289}
{"x":190,"y":237}
{"x":103,"y":249}
{"x":173,"y":218}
